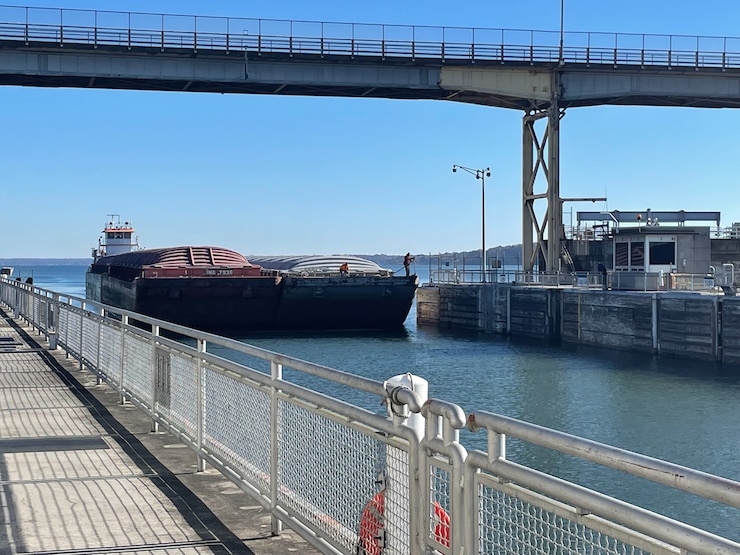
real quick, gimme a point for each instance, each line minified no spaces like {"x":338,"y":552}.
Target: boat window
{"x":127,"y":235}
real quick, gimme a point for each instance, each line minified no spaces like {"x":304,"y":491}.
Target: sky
{"x":267,"y":174}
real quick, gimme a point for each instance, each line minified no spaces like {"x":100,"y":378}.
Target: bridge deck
{"x":82,"y":473}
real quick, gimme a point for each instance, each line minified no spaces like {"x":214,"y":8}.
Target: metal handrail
{"x":445,"y":43}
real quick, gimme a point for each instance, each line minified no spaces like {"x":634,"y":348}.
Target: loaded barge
{"x":219,"y":290}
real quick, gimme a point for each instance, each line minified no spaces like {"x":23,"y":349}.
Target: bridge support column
{"x":547,"y":149}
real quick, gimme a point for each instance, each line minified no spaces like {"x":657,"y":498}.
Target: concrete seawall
{"x":692,"y":325}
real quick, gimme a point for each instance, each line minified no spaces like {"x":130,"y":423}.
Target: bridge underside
{"x":511,"y":85}
{"x":541,"y":91}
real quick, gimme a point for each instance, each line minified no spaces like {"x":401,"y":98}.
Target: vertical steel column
{"x":528,"y":218}
{"x":554,"y":204}
{"x":549,"y":163}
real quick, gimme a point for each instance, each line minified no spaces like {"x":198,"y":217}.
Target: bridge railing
{"x":101,"y":28}
{"x":303,"y":440}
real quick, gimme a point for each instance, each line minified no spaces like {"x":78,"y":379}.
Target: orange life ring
{"x":372,"y":526}
{"x":442,"y":526}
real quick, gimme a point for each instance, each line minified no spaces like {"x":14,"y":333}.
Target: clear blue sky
{"x":303,"y":175}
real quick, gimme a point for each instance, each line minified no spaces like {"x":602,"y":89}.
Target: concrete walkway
{"x":80,"y":473}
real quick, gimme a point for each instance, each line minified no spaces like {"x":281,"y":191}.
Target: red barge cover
{"x":174,"y":262}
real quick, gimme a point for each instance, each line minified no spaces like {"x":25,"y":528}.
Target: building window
{"x":662,"y":253}
{"x":621,"y":255}
{"x":637,"y":255}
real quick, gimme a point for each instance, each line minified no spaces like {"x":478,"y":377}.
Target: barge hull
{"x":345,"y":303}
{"x":263,"y":303}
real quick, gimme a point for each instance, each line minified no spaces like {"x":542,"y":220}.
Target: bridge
{"x":532,"y":71}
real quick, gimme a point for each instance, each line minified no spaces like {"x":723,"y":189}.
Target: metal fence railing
{"x":102,"y":28}
{"x":349,"y":479}
{"x":714,"y":283}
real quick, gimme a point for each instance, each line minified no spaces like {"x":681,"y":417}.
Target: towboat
{"x":219,"y":290}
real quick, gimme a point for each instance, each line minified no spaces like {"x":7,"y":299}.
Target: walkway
{"x":81,"y":473}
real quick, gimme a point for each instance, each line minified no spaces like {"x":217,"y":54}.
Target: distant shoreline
{"x":45,"y":261}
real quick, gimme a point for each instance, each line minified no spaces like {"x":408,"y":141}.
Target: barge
{"x":219,"y":290}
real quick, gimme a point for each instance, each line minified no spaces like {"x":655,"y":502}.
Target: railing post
{"x":395,"y":504}
{"x":99,"y":379}
{"x":200,"y":425}
{"x":276,"y":374}
{"x":655,"y":306}
{"x":382,"y":42}
{"x":82,"y":336}
{"x":155,"y":374}
{"x":122,"y":365}
{"x":52,"y":321}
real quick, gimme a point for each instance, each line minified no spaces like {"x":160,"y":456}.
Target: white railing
{"x":617,"y":281}
{"x":103,"y":28}
{"x":350,"y":480}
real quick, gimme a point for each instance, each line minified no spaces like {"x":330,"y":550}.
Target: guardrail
{"x":612,"y":280}
{"x":350,"y":480}
{"x":101,"y":28}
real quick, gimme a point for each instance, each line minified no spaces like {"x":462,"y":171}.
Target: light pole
{"x":560,"y":57}
{"x":480,"y":174}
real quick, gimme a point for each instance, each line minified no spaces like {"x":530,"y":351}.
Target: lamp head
{"x":454,"y":169}
{"x":488,"y":173}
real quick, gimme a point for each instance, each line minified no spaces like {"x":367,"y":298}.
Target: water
{"x":680,"y":411}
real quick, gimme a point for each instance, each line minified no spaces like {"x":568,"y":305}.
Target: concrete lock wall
{"x":687,"y":326}
{"x":690,"y":325}
{"x":619,"y":320}
{"x":730,"y":329}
